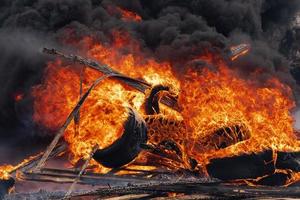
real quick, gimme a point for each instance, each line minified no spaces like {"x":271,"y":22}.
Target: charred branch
{"x":89,"y":178}
{"x":83,"y":168}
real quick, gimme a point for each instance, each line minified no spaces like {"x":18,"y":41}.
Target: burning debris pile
{"x":155,"y":124}
{"x":160,"y":92}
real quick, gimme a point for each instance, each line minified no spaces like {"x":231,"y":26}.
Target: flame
{"x":210,"y":99}
{"x":103,"y":114}
{"x":213,"y":100}
{"x":18,"y":96}
{"x":129,"y":15}
{"x":295,"y":177}
{"x":4,"y":171}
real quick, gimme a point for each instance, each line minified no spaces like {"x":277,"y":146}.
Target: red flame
{"x":129,"y":15}
{"x":18,"y":96}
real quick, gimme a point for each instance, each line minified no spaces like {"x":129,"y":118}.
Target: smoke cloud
{"x":297,"y":120}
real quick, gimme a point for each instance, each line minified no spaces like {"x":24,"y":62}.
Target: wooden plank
{"x":103,"y":180}
{"x":129,"y":197}
{"x":212,"y":189}
{"x":31,"y":163}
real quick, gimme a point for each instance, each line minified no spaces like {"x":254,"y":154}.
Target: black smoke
{"x":172,"y":30}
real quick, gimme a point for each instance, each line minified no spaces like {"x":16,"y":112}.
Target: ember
{"x":129,"y":16}
{"x":18,"y":96}
{"x":4,"y":172}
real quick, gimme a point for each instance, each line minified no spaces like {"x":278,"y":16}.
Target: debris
{"x":127,"y":147}
{"x":225,"y":137}
{"x":88,"y":178}
{"x":83,"y":168}
{"x":245,"y":166}
{"x":288,"y":160}
{"x":276,"y":179}
{"x":152,"y":100}
{"x":212,"y":188}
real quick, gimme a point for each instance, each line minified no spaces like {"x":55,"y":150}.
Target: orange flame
{"x":213,"y":100}
{"x":129,"y":15}
{"x":210,"y":100}
{"x":104,"y":112}
{"x":4,"y":171}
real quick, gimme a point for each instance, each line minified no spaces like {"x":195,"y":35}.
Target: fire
{"x":4,"y":171}
{"x":129,"y":15}
{"x":134,"y":65}
{"x":103,"y":114}
{"x":210,"y":99}
{"x":213,"y":100}
{"x":18,"y":96}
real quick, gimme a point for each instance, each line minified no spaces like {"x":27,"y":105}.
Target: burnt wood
{"x":89,"y":178}
{"x":60,"y":132}
{"x":211,"y":188}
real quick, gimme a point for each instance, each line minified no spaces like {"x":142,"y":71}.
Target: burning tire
{"x":152,"y":100}
{"x":245,"y":166}
{"x":226,"y":136}
{"x":288,"y":160}
{"x":127,"y":147}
